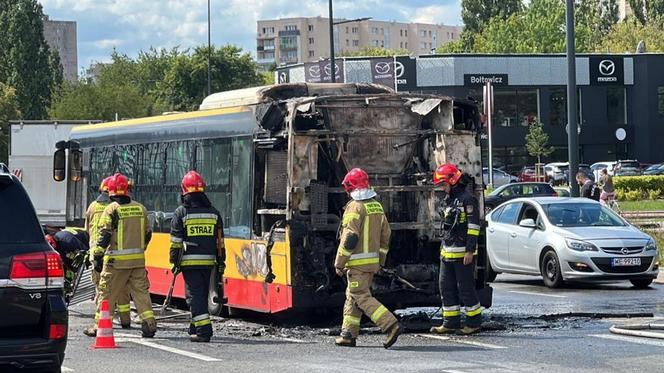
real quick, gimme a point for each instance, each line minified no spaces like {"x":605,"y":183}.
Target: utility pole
{"x":333,"y":65}
{"x":209,"y":78}
{"x":572,"y":115}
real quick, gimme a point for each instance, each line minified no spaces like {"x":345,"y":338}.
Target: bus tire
{"x":214,"y":307}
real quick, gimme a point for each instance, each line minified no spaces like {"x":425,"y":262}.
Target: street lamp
{"x":333,"y":66}
{"x":572,"y":115}
{"x":209,"y":79}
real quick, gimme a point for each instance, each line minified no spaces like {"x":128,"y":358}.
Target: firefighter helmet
{"x":118,"y":185}
{"x":355,"y":179}
{"x":447,"y":173}
{"x":192,"y":182}
{"x":103,"y":187}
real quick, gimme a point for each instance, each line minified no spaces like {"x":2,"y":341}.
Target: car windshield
{"x":17,"y":218}
{"x":581,"y":215}
{"x":629,"y":164}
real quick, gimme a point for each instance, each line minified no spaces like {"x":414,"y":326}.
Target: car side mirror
{"x":75,"y":164}
{"x":528,"y":223}
{"x":59,"y":161}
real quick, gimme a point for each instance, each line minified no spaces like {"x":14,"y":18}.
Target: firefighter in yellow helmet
{"x":461,"y":229}
{"x":124,"y":234}
{"x":363,"y":249}
{"x":92,"y":216}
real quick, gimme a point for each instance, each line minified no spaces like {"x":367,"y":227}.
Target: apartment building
{"x":61,"y":36}
{"x":624,"y":9}
{"x":295,"y":40}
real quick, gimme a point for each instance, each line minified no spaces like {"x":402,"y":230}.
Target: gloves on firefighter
{"x":221,"y":266}
{"x":98,"y":262}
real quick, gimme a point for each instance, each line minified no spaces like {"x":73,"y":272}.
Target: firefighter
{"x":71,"y":244}
{"x":119,"y":254}
{"x":461,"y":228}
{"x":363,"y":248}
{"x":92,"y":216}
{"x":197,"y":245}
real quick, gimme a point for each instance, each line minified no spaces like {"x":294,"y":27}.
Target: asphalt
{"x":563,"y":330}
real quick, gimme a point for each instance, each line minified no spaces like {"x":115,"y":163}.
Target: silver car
{"x":561,"y":239}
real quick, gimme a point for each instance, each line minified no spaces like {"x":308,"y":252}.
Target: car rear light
{"x":37,"y":270}
{"x":57,"y":331}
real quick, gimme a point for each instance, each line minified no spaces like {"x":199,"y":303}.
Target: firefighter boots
{"x":148,"y":331}
{"x":467,"y":330}
{"x":199,"y":338}
{"x":345,"y":340}
{"x":442,"y":330}
{"x":392,"y":334}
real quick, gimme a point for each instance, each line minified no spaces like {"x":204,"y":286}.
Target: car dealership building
{"x":621,"y":97}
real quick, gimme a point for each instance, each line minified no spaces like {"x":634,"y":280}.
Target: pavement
{"x":535,"y":328}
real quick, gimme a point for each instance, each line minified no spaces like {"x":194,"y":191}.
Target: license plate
{"x":625,"y":262}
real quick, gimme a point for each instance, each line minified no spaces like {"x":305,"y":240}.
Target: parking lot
{"x":563,"y":329}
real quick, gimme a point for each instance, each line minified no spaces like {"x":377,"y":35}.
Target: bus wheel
{"x":214,"y":306}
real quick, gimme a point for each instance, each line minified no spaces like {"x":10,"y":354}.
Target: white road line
{"x":293,"y":340}
{"x":453,"y":371}
{"x":192,"y":355}
{"x":65,"y":369}
{"x":622,"y":338}
{"x":472,"y":343}
{"x":533,"y":293}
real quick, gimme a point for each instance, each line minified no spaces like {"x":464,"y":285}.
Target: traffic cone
{"x":104,"y":337}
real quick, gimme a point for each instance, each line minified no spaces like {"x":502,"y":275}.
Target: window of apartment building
{"x":288,"y":42}
{"x":375,"y":43}
{"x":374,"y":30}
{"x":382,"y":43}
{"x":515,"y":107}
{"x":452,"y":35}
{"x":401,"y":45}
{"x":430,"y":46}
{"x":311,"y":27}
{"x":311,"y":54}
{"x":558,"y":107}
{"x":355,"y":30}
{"x":423,"y":45}
{"x":291,"y":27}
{"x":401,"y":33}
{"x":356,"y":43}
{"x":268,"y":44}
{"x":311,"y":40}
{"x":660,"y":100}
{"x":382,"y":31}
{"x":347,"y":43}
{"x":405,"y":45}
{"x":423,"y":33}
{"x":347,"y":29}
{"x":429,"y":33}
{"x":268,"y":30}
{"x":448,"y":35}
{"x":405,"y":33}
{"x":616,"y":112}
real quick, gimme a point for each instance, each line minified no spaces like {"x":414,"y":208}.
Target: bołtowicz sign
{"x":382,"y":71}
{"x":482,"y":79}
{"x":405,"y":70}
{"x":607,"y":71}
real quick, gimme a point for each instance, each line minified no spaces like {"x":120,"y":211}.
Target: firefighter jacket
{"x":197,"y":228}
{"x":70,"y":242}
{"x":462,"y":224}
{"x":92,"y":216}
{"x":124,"y":233}
{"x":365,"y":236}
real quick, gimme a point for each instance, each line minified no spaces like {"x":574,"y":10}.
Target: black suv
{"x":33,"y":313}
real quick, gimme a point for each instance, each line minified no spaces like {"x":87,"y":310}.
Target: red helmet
{"x":447,"y":173}
{"x":51,"y":241}
{"x":118,"y":185}
{"x":355,"y":179}
{"x":103,"y":187}
{"x":192,"y":182}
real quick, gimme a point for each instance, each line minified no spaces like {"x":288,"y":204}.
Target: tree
{"x":26,"y":61}
{"x":625,"y":36}
{"x":8,"y":110}
{"x":537,"y":142}
{"x":369,"y":51}
{"x":647,"y":10}
{"x":476,"y":14}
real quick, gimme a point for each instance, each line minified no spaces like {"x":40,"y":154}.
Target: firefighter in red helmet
{"x":197,"y":246}
{"x":362,"y":251}
{"x":461,"y":228}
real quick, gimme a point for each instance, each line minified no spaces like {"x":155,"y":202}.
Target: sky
{"x":133,"y":25}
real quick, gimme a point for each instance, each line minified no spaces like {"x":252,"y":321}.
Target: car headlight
{"x":578,"y":245}
{"x":651,"y":245}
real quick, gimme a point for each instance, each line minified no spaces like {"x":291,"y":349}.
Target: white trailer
{"x":31,"y":159}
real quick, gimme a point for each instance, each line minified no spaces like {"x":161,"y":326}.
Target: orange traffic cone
{"x":104,"y":337}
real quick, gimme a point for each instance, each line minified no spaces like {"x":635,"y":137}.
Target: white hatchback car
{"x":563,"y":239}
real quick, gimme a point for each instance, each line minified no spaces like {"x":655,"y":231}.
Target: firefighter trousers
{"x":123,"y":306}
{"x":197,"y":286}
{"x":360,"y":301}
{"x":115,"y":282}
{"x":457,"y":286}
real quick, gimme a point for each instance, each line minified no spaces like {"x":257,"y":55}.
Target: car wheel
{"x":550,"y":269}
{"x":641,"y":283}
{"x":490,"y":273}
{"x":513,"y":181}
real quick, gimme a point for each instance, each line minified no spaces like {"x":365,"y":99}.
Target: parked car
{"x":599,"y":166}
{"x":557,"y":172}
{"x":658,"y":170}
{"x":517,"y":190}
{"x":529,"y":174}
{"x":627,"y":168}
{"x":500,"y":177}
{"x":568,"y":239}
{"x":562,"y":191}
{"x":34,"y":322}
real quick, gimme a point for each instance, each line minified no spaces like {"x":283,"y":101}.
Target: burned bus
{"x":273,"y":158}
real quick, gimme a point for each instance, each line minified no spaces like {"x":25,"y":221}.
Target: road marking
{"x":293,"y":340}
{"x":65,"y":369}
{"x":453,"y":371}
{"x":192,"y":355}
{"x":472,"y":343}
{"x":533,"y":293}
{"x":622,"y":338}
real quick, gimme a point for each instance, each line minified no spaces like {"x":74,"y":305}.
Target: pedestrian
{"x":197,"y":245}
{"x":363,"y":249}
{"x":124,"y":234}
{"x":588,"y":187}
{"x":92,"y":216}
{"x":608,"y":191}
{"x":461,"y":229}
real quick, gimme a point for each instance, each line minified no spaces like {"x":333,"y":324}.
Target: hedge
{"x":638,"y":187}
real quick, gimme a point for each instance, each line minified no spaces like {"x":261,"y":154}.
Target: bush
{"x":620,"y":195}
{"x":654,"y":194}
{"x":634,"y":195}
{"x":642,"y":183}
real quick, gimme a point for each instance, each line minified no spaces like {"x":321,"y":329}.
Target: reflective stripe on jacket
{"x":199,"y":231}
{"x":92,"y":217}
{"x":128,"y":225}
{"x":464,"y":235}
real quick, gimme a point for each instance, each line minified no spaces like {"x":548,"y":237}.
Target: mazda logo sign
{"x":398,"y":69}
{"x":328,"y":69}
{"x":282,"y":78}
{"x":382,"y":68}
{"x":314,"y":71}
{"x":607,"y":67}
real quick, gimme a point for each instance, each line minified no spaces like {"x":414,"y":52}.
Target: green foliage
{"x":456,"y":46}
{"x":625,"y":36}
{"x":476,"y":14}
{"x":633,"y":195}
{"x":369,"y":51}
{"x":633,"y":188}
{"x":8,"y":110}
{"x":646,"y":10}
{"x":620,"y":194}
{"x":26,"y":61}
{"x":537,"y":142}
{"x":654,"y":194}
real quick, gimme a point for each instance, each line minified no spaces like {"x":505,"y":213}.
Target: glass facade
{"x":515,"y":108}
{"x":616,"y":112}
